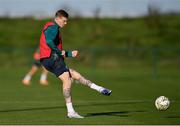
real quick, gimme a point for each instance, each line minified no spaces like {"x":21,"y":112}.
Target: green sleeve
{"x":50,"y":34}
{"x":68,"y":53}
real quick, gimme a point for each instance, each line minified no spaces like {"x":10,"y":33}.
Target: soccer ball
{"x":162,"y":103}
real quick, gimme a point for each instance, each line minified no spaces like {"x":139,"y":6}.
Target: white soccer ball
{"x":162,"y":103}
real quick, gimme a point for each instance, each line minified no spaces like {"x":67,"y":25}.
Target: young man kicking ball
{"x":52,"y":58}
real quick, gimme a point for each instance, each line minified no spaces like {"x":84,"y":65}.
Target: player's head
{"x":61,"y":17}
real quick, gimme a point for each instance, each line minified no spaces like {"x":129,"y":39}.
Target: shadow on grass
{"x":85,"y":105}
{"x":172,"y":117}
{"x":120,"y":113}
{"x":32,"y":109}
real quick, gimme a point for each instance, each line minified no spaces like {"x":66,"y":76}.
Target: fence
{"x":149,"y":60}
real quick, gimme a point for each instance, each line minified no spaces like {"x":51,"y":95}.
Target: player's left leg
{"x":65,"y":78}
{"x":43,"y":78}
{"x":77,"y":76}
{"x":57,"y":66}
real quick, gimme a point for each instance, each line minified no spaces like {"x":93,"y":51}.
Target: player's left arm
{"x":73,"y":53}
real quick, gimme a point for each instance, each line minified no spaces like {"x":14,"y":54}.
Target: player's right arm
{"x":50,"y":33}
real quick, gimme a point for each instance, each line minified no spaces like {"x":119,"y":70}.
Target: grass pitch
{"x":131,"y":102}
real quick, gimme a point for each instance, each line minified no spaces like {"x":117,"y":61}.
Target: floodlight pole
{"x":154,"y":63}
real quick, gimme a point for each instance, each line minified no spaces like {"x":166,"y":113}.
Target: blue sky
{"x":85,"y":7}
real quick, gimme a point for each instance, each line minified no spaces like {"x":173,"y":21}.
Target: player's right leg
{"x":77,"y":76}
{"x":26,"y":80}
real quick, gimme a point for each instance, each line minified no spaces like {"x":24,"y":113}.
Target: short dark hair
{"x":62,"y":13}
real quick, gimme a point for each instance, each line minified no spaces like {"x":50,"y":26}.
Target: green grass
{"x":132,"y":100}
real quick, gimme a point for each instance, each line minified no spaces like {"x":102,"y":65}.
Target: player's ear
{"x":57,"y":18}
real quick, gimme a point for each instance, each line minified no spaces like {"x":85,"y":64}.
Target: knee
{"x":75,"y":74}
{"x":72,"y":71}
{"x":67,"y":84}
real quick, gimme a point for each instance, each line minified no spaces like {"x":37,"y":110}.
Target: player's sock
{"x":26,"y":80}
{"x":70,"y":108}
{"x":100,"y":89}
{"x":27,"y":77}
{"x":71,"y":111}
{"x":96,"y":87}
{"x":43,"y":77}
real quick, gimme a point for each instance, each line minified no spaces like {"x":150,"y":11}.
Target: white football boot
{"x":74,"y":115}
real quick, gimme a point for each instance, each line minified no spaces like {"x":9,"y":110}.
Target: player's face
{"x":61,"y":21}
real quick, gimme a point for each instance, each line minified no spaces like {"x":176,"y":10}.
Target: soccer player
{"x":37,"y":65}
{"x":52,"y":58}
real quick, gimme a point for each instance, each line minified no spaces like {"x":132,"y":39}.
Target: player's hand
{"x":74,"y":53}
{"x":63,"y":53}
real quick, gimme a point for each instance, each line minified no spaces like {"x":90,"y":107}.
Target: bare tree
{"x":97,"y":12}
{"x":153,"y":19}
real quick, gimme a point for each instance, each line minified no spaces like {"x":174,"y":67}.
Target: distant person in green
{"x":52,"y":58}
{"x":37,"y":65}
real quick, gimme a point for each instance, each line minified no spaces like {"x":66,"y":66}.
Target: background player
{"x":37,"y":65}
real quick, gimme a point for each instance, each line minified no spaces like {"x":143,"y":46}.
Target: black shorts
{"x":55,"y":64}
